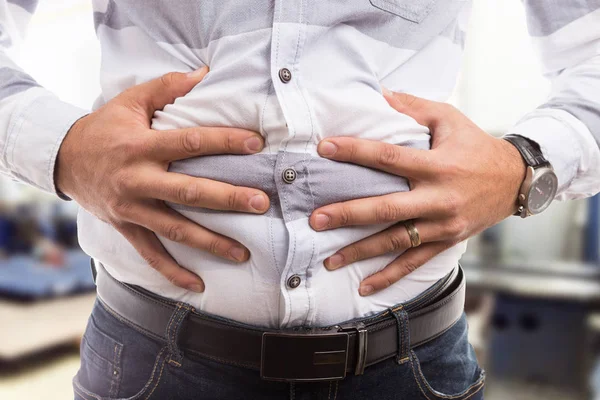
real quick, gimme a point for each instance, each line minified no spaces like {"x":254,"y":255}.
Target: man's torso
{"x":338,"y":53}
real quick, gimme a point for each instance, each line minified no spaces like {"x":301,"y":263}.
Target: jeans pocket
{"x":87,"y":392}
{"x":100,"y":361}
{"x":412,"y":10}
{"x":118,"y":362}
{"x":447,"y":367}
{"x":454,"y":381}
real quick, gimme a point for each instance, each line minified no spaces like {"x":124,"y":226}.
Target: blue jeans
{"x":119,"y":361}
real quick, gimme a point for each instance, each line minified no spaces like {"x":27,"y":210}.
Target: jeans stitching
{"x":116,"y":383}
{"x":162,"y":368}
{"x":85,"y":395}
{"x":477,"y":386}
{"x":336,"y":390}
{"x":159,"y":359}
{"x":169,"y":330}
{"x":173,"y":330}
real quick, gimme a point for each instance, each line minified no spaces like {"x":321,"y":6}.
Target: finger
{"x":400,"y":206}
{"x":426,"y":112}
{"x":401,"y":266}
{"x":156,"y":94}
{"x":192,"y":142}
{"x":206,"y":193}
{"x":395,"y":238}
{"x":175,"y":227}
{"x":153,"y":252}
{"x":394,"y":159}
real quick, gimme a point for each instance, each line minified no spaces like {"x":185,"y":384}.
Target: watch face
{"x":542,"y":193}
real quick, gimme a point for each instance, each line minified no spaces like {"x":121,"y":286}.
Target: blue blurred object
{"x":25,"y":278}
{"x":6,"y":233}
{"x":592,"y":236}
{"x":541,"y":341}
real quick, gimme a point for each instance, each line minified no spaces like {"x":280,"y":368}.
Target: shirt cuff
{"x":34,"y":138}
{"x":558,"y":135}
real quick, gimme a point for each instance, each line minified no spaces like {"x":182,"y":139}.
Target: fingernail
{"x":258,"y":202}
{"x":365,"y":290}
{"x":327,"y":149}
{"x":335,"y":261}
{"x":197,"y":288}
{"x":254,"y":144}
{"x":238,"y":253}
{"x":199,"y":73}
{"x":321,"y":221}
{"x":386,"y":91}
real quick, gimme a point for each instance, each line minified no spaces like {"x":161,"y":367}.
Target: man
{"x":294,"y":263}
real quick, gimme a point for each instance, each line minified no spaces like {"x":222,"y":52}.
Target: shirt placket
{"x":291,"y":169}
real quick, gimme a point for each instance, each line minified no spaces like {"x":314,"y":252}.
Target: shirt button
{"x":289,"y":175}
{"x":294,"y":281}
{"x":285,"y":75}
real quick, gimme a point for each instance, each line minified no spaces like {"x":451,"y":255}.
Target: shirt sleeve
{"x":566,"y":34}
{"x":33,"y":121}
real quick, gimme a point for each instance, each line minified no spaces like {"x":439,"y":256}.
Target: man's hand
{"x":466,"y":183}
{"x":115,"y":167}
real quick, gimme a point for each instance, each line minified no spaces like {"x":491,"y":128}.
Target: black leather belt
{"x":299,"y":354}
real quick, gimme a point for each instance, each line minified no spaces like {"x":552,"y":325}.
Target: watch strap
{"x":530,"y":151}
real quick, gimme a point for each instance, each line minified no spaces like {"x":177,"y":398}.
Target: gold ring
{"x":413,"y":233}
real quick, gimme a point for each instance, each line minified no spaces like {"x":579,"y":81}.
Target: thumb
{"x":156,"y":94}
{"x":425,"y":112}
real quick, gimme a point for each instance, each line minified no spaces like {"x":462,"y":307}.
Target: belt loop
{"x":93,"y":268}
{"x":174,"y":331}
{"x":401,"y":317}
{"x":361,"y":359}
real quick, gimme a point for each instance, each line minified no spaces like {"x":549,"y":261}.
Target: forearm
{"x":567,"y":126}
{"x":33,"y":121}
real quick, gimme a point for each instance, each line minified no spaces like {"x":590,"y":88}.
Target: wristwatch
{"x":540,"y":184}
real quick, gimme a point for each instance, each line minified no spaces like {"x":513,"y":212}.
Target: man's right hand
{"x":116,"y":168}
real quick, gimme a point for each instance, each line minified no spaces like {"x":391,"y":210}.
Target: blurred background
{"x":534,"y":285}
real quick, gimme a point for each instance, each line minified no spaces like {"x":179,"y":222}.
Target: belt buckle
{"x":290,"y":357}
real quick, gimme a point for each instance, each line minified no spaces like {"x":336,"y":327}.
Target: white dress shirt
{"x":297,"y":71}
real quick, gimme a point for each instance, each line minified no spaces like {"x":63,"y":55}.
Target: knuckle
{"x":409,"y":266}
{"x":387,"y":281}
{"x":192,"y":142}
{"x":172,"y":278}
{"x":452,"y":167}
{"x":171,"y":79}
{"x":457,"y":228}
{"x":345,"y":216}
{"x":129,"y":147}
{"x":353,"y":253}
{"x":387,"y":212}
{"x":453,"y":204}
{"x":122,"y":182}
{"x":232,"y":200}
{"x":352,"y":151}
{"x":190,"y":194}
{"x":121,"y":209}
{"x":215,"y":245}
{"x":152,"y":260}
{"x":405,"y":98}
{"x":395,"y":241}
{"x":387,"y":155}
{"x":175,"y":233}
{"x":229,"y":141}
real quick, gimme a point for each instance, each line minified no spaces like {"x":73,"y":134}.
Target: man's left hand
{"x":466,"y":183}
